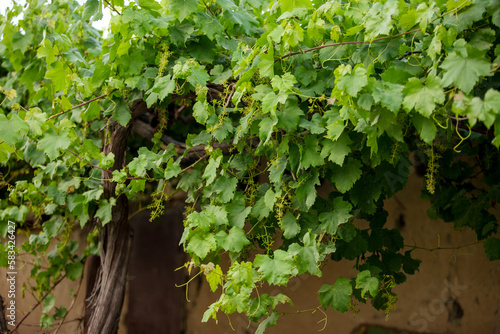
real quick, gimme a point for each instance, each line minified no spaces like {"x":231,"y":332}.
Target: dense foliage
{"x":251,"y":106}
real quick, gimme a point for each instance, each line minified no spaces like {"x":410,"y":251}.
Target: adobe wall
{"x":455,"y":291}
{"x":69,"y":293}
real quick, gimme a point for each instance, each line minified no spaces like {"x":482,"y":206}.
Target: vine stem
{"x":312,"y":310}
{"x":88,"y":163}
{"x":16,"y":327}
{"x":408,"y":53}
{"x":209,"y":9}
{"x":81,"y":104}
{"x":137,"y":212}
{"x":194,"y":164}
{"x":495,"y":69}
{"x":187,"y":284}
{"x":439,"y":247}
{"x":344,"y":43}
{"x":112,"y":7}
{"x":71,"y":306}
{"x":458,"y":118}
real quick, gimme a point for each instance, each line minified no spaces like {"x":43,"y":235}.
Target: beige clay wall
{"x":69,"y":293}
{"x":425,"y":303}
{"x":425,"y":300}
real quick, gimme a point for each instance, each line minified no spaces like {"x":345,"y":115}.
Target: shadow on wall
{"x":457,"y":289}
{"x":153,"y":303}
{"x":376,"y":329}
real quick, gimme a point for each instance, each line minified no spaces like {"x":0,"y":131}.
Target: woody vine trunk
{"x":116,"y":238}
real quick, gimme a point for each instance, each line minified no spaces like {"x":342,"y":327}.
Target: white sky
{"x":101,"y":24}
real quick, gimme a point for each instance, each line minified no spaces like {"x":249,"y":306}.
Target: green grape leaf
{"x":153,"y":5}
{"x":314,"y":125}
{"x":237,"y":213}
{"x":379,"y":19}
{"x":234,"y":241}
{"x":290,"y":5}
{"x":426,"y":128}
{"x":308,"y":256}
{"x":465,"y":71}
{"x":260,"y":210}
{"x":122,"y":113}
{"x":266,"y":127}
{"x":269,"y":102}
{"x":58,"y":75}
{"x":389,"y":95}
{"x":410,"y":265}
{"x":163,"y":86}
{"x":6,"y":150}
{"x":203,"y":220}
{"x":337,"y":295}
{"x":306,"y":189}
{"x":424,"y":15}
{"x":492,"y":248}
{"x":367,"y":283}
{"x":47,"y":50}
{"x":330,"y":221}
{"x":182,"y":8}
{"x":211,"y":170}
{"x":435,"y":47}
{"x":48,"y":303}
{"x":104,"y":213}
{"x":73,"y":270}
{"x":12,"y":129}
{"x":51,"y":143}
{"x":266,"y":64}
{"x":214,"y":277}
{"x":423,"y":98}
{"x":345,"y":176}
{"x":172,"y":170}
{"x":36,"y":120}
{"x":137,"y":186}
{"x":284,"y":82}
{"x":276,"y":270}
{"x":289,"y":117}
{"x":309,"y":153}
{"x":277,"y":168}
{"x":484,"y":110}
{"x":90,"y":9}
{"x":199,"y":76}
{"x":180,"y":33}
{"x":290,"y":226}
{"x":271,"y":320}
{"x":200,"y":244}
{"x":351,"y":81}
{"x":337,"y":150}
{"x":200,"y":112}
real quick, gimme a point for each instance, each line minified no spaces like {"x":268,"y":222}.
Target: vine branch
{"x":344,"y":43}
{"x":71,"y":306}
{"x":408,"y":53}
{"x":81,"y":104}
{"x":112,"y":7}
{"x":443,"y":248}
{"x":495,"y":69}
{"x":88,"y":163}
{"x":16,"y":327}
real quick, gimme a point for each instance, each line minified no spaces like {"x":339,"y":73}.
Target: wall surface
{"x":69,"y":293}
{"x":456,"y":291}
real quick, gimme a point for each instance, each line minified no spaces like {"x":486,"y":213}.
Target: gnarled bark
{"x":106,"y":300}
